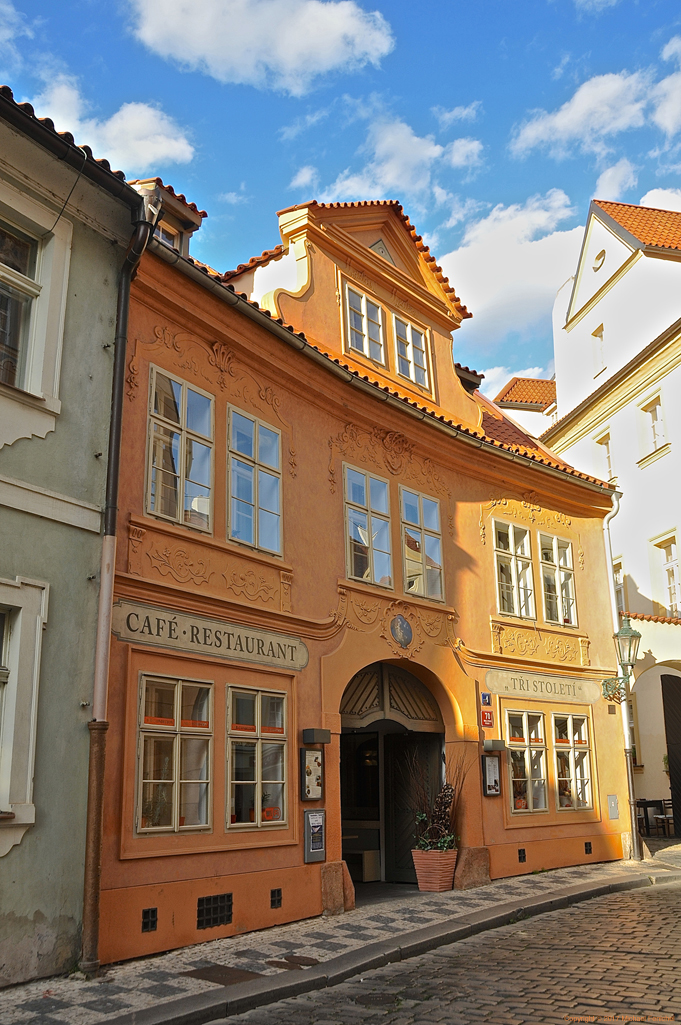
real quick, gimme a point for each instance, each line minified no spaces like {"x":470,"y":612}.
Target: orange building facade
{"x":335,"y":555}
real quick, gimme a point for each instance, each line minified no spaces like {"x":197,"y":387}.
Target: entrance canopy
{"x":385,"y":691}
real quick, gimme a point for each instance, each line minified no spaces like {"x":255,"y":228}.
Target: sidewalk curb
{"x":226,"y":1001}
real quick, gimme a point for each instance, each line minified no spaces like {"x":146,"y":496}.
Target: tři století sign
{"x":164,"y":628}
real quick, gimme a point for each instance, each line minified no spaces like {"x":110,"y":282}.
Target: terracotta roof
{"x":528,"y":391}
{"x":423,"y":250}
{"x":651,"y":226}
{"x":178,"y":195}
{"x":673,"y":620}
{"x":255,"y":261}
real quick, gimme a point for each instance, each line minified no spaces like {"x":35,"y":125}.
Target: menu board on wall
{"x":311,"y":774}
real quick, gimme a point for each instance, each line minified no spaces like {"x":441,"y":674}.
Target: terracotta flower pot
{"x":434,"y":869}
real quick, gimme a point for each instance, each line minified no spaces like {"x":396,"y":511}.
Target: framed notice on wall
{"x":311,"y":774}
{"x":491,"y":781}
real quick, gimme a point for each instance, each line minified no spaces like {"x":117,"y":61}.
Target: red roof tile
{"x":651,"y":226}
{"x":528,"y":391}
{"x":255,"y":261}
{"x":672,"y":620}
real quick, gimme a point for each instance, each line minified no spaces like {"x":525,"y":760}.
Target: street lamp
{"x":616,"y":689}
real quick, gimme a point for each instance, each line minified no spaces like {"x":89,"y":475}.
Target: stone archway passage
{"x":671,"y":702}
{"x":384,"y":691}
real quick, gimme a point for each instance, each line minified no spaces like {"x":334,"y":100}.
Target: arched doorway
{"x":671,"y":703}
{"x":391,"y":727}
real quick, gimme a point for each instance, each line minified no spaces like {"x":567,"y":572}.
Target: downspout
{"x":624,"y":705}
{"x":89,"y":962}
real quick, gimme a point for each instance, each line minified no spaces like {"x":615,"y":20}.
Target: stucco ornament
{"x":523,"y":508}
{"x":250,"y":586}
{"x":177,"y":563}
{"x":384,"y":450}
{"x":401,"y":629}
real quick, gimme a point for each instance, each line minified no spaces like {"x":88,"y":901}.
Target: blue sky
{"x":493,"y":122}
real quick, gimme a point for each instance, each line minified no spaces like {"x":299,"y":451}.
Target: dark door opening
{"x":671,"y":702}
{"x":377,"y":800}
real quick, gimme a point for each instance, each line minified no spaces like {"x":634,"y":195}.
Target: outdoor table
{"x":646,"y":805}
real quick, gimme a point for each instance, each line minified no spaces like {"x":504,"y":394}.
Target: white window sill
{"x":658,"y":453}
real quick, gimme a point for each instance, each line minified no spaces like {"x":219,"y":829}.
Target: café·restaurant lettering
{"x":163,"y":628}
{"x":542,"y":688}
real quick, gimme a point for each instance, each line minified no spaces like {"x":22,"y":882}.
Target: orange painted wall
{"x":180,"y":327}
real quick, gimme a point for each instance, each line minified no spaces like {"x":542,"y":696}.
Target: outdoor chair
{"x":666,"y":820}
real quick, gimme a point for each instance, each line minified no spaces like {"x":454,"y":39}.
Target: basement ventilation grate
{"x":587,"y":847}
{"x":275,"y":898}
{"x":149,"y":919}
{"x":522,"y":856}
{"x":213,"y":911}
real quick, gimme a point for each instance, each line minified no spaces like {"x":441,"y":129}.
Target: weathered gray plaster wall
{"x":41,"y":878}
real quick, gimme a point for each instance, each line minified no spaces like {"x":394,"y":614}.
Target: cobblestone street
{"x":615,"y":958}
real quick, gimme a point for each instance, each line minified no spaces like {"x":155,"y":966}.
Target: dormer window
{"x":411,"y":352}
{"x":169,"y":235}
{"x":365,"y":323}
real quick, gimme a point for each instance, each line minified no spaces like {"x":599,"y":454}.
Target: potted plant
{"x":435,"y":850}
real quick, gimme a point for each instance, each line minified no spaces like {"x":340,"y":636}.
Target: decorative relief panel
{"x":210,"y":365}
{"x":155,"y":554}
{"x":542,"y":644}
{"x":385,"y":450}
{"x":524,"y":509}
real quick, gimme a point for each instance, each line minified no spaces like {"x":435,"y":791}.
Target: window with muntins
{"x":514,"y":569}
{"x":526,"y":741}
{"x":573,"y":761}
{"x":254,"y":482}
{"x":557,"y":580}
{"x":670,"y":572}
{"x":176,"y":729}
{"x":365,"y":326}
{"x":256,"y":758}
{"x":181,"y":452}
{"x":411,"y":352}
{"x":367,"y":516}
{"x":653,"y":413}
{"x":18,"y":290}
{"x":618,"y":575}
{"x":421,"y":544}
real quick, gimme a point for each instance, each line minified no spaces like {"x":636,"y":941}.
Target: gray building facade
{"x":65,"y":224}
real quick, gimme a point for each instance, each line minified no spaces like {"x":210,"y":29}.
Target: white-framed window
{"x":515,"y":586}
{"x":35,"y":255}
{"x":180,"y":451}
{"x":412,"y":361}
{"x":654,"y":424}
{"x":169,"y":235}
{"x":572,"y":761}
{"x":367,"y":518}
{"x":669,"y":558}
{"x":18,"y":290}
{"x":365,"y":325}
{"x":256,"y":758}
{"x":618,"y":575}
{"x":526,"y":742}
{"x":558,"y":583}
{"x":605,"y":454}
{"x":23,"y":615}
{"x":254,"y":482}
{"x":421,"y":544}
{"x":175,"y":757}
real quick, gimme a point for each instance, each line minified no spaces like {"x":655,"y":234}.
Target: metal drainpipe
{"x":89,"y":961}
{"x":624,"y":706}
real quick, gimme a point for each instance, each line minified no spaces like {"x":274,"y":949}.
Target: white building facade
{"x":617,"y":343}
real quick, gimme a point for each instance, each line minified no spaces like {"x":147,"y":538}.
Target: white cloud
{"x":136,"y":138}
{"x":497,"y":377}
{"x":306,"y":177}
{"x":463,"y":210}
{"x":234,"y":198}
{"x":663,"y":199}
{"x":465,"y":153}
{"x":600,"y":108}
{"x":12,"y":27}
{"x":400,"y":163}
{"x":301,"y":124}
{"x":666,"y":95}
{"x":594,"y":6}
{"x":448,"y":117}
{"x":278,"y":44}
{"x":507,"y":272}
{"x":616,"y":180}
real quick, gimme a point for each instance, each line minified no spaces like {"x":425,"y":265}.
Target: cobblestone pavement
{"x":73,"y":1000}
{"x":614,"y":958}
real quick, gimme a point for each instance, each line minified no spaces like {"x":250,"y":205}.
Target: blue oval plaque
{"x":401,"y":630}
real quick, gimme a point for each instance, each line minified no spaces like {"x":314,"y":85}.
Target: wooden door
{"x":399,"y":801}
{"x":671,"y":701}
